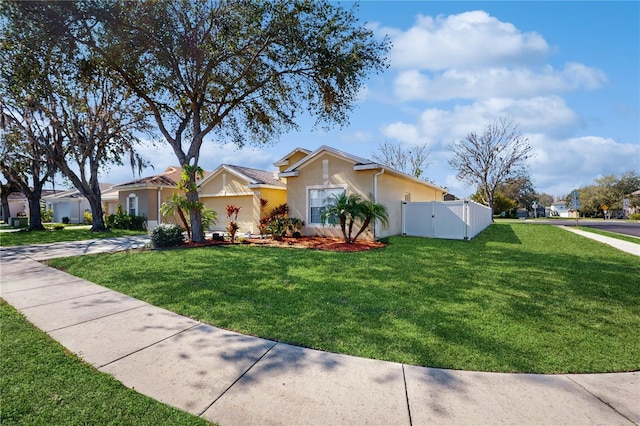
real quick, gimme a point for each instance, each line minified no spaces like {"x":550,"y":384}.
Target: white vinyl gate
{"x":455,"y":220}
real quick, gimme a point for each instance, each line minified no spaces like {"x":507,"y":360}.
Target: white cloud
{"x":560,"y":165}
{"x":440,"y":127}
{"x":482,"y":83}
{"x":470,"y":39}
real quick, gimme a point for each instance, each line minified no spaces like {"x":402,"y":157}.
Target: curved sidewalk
{"x":232,"y":379}
{"x":622,"y":245}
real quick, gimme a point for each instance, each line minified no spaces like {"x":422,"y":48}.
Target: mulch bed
{"x":313,"y":243}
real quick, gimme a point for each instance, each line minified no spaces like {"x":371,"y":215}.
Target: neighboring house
{"x":71,"y":204}
{"x":144,"y":196}
{"x":316,"y":176}
{"x":242,"y":187}
{"x":561,"y":209}
{"x":18,"y":205}
{"x":228,"y":184}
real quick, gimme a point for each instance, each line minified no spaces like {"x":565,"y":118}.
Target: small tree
{"x":488,"y":159}
{"x":412,"y":160}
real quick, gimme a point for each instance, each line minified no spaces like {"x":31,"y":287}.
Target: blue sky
{"x":568,"y":73}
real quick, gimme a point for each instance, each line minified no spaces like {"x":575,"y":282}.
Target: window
{"x":132,"y":204}
{"x":319,"y":199}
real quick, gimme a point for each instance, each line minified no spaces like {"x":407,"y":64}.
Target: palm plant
{"x":177,"y":204}
{"x":370,"y":210}
{"x":342,"y":209}
{"x":346,"y":210}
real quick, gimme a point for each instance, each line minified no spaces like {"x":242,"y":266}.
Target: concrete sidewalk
{"x":233,"y":379}
{"x":625,"y":246}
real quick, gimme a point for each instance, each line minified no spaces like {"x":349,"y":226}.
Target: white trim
{"x":266,"y":186}
{"x":232,"y":194}
{"x":288,"y":174}
{"x":284,"y":161}
{"x":308,"y":188}
{"x":135,"y":204}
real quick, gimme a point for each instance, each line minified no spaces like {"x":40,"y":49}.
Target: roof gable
{"x":284,"y":161}
{"x":253,"y":177}
{"x":359,"y":163}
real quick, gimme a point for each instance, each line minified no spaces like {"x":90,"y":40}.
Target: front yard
{"x":69,"y":233}
{"x":517,"y":298}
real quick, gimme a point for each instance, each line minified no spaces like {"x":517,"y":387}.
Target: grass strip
{"x":22,"y":238}
{"x":43,"y":384}
{"x":617,"y":236}
{"x":517,"y":298}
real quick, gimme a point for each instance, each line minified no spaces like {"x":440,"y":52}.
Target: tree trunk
{"x":185,"y":222}
{"x":97,"y":214}
{"x":6,"y":213}
{"x":35,"y":216}
{"x":197,"y":233}
{"x":364,"y":226}
{"x":343,"y":227}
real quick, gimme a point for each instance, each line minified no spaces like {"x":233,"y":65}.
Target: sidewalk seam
{"x":151,"y":344}
{"x":406,"y":395}
{"x":92,"y":319}
{"x":237,"y":380}
{"x":57,"y":301}
{"x":600,"y":399}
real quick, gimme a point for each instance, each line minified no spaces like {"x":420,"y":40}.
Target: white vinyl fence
{"x":455,"y":220}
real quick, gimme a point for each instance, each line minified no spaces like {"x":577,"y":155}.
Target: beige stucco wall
{"x":390,"y":192}
{"x":340,"y":175}
{"x":148,"y":203}
{"x":246,"y":218}
{"x":297,"y":156}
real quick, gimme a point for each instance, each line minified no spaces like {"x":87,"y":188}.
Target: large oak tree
{"x":233,"y":71}
{"x":65,"y":109}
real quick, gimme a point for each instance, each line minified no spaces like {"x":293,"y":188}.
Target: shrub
{"x":66,"y":220}
{"x":88,"y":217}
{"x":167,"y":235}
{"x":295,"y":225}
{"x":634,"y":216}
{"x":47,"y":215}
{"x":126,"y":221}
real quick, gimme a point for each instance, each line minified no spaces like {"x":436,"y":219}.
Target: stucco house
{"x":243,"y":187}
{"x":227,"y":184}
{"x":72,"y":204}
{"x":144,"y":196}
{"x":314,"y":177}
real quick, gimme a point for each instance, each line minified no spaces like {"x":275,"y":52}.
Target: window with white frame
{"x":132,"y":204}
{"x":319,"y":199}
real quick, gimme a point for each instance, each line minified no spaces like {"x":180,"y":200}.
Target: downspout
{"x":375,"y":198}
{"x":159,"y":198}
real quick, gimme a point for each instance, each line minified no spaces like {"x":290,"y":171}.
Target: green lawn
{"x":70,"y":233}
{"x":517,"y":298}
{"x":43,"y":384}
{"x":610,"y":234}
